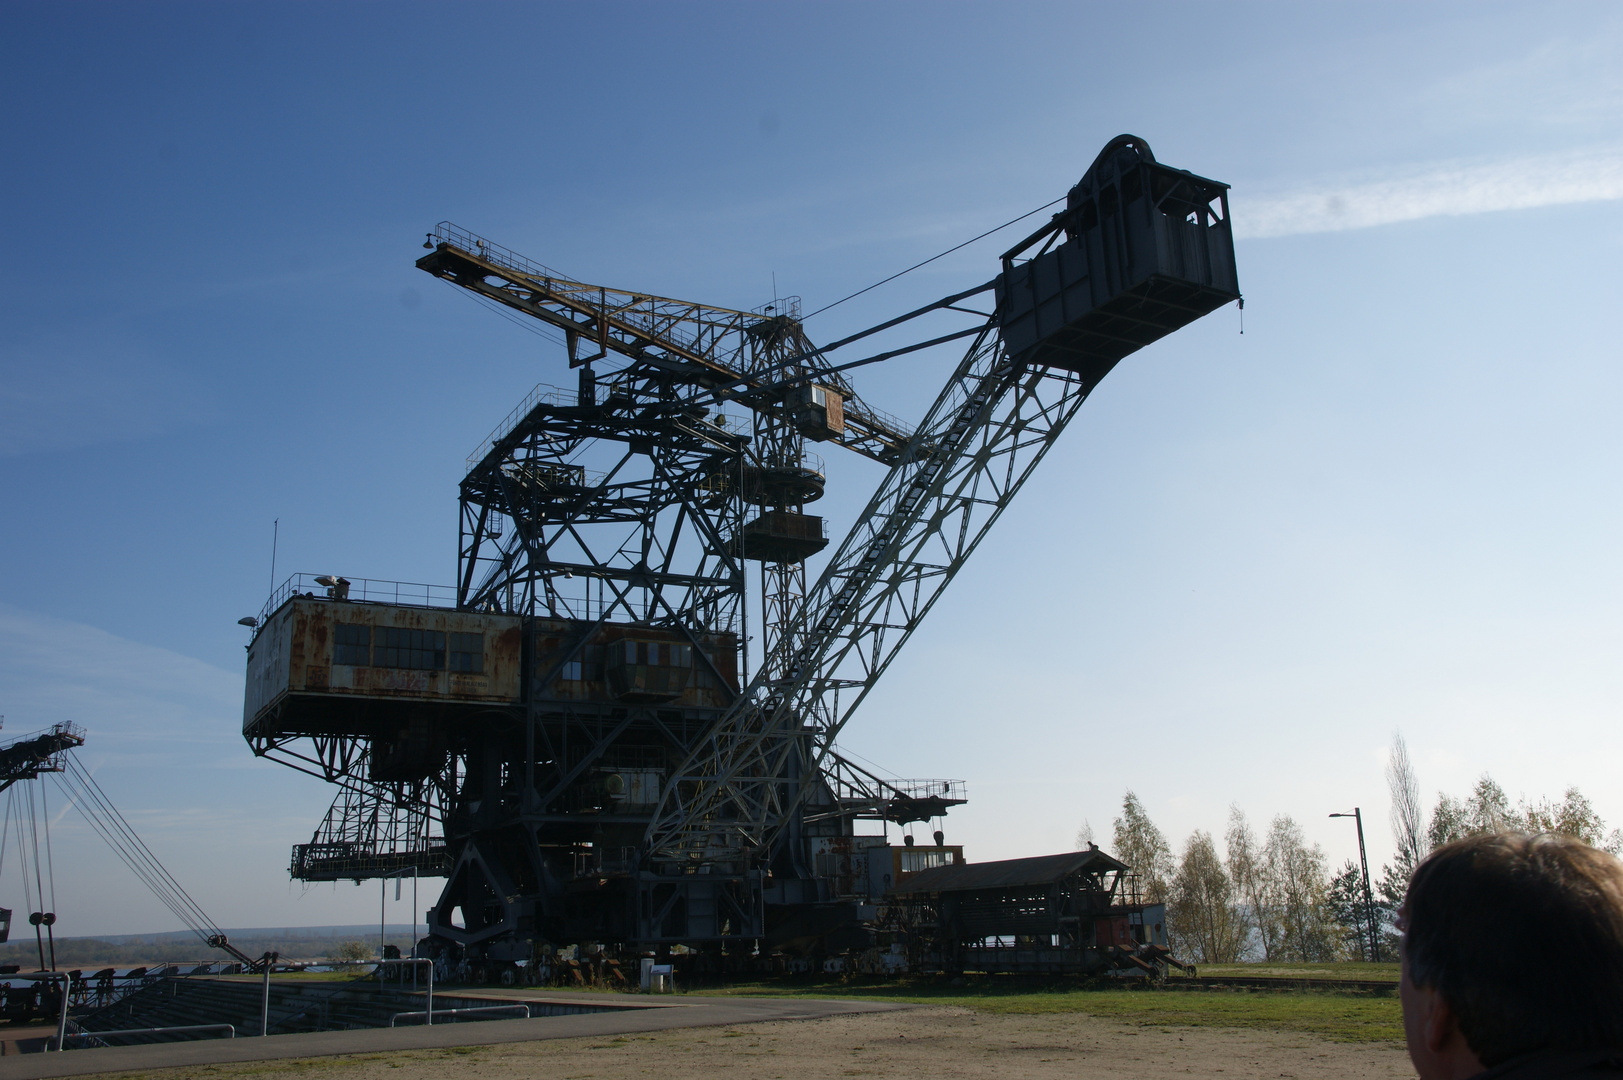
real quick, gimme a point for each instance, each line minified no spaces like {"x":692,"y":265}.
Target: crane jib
{"x":1140,"y":251}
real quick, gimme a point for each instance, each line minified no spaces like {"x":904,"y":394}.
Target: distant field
{"x":90,"y":953}
{"x":1387,"y":972}
{"x":1359,"y":1017}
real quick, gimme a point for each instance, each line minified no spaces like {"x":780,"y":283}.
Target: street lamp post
{"x":1369,"y":897}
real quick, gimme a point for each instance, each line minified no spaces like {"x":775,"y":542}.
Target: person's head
{"x":1512,"y":943}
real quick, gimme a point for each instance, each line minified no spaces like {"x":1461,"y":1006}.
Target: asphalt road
{"x":645,"y":1014}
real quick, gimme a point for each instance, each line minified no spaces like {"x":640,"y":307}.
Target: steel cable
{"x":189,"y":911}
{"x":933,"y":258}
{"x":33,"y":830}
{"x":98,"y":810}
{"x":83,"y":803}
{"x":50,"y":863}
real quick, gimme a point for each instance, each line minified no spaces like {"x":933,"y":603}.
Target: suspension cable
{"x":33,"y":830}
{"x":5,"y":829}
{"x":933,"y":258}
{"x":98,"y":810}
{"x":16,"y":820}
{"x":50,"y":863}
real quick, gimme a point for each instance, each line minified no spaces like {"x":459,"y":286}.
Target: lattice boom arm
{"x":730,"y":346}
{"x":985,"y":433}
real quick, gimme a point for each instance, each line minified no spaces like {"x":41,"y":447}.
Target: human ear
{"x":1439,"y":1024}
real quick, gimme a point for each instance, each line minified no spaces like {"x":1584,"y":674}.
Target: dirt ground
{"x":932,"y":1043}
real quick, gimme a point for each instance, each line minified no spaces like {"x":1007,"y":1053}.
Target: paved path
{"x":645,"y":1015}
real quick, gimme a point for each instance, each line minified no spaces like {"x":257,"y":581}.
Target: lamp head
{"x":248,"y":621}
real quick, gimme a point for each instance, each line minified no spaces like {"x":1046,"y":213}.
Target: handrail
{"x":428,"y":1015}
{"x":552,"y":395}
{"x":229,"y":1029}
{"x":367,"y":590}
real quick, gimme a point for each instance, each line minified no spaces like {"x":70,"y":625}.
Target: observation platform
{"x":780,"y":536}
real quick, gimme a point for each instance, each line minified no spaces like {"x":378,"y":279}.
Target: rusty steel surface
{"x":293,"y":654}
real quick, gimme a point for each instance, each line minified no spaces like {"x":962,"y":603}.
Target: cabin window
{"x":914,"y":861}
{"x":352,"y":644}
{"x":421,"y":650}
{"x":468,"y":653}
{"x":572,"y":671}
{"x":658,"y":654}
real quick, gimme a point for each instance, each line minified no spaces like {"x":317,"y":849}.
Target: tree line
{"x":1272,"y":896}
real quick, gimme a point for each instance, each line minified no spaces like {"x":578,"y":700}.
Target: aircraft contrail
{"x":1446,"y":189}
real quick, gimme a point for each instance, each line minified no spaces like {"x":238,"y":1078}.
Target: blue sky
{"x":1391,"y":504}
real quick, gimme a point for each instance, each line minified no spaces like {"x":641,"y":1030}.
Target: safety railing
{"x":449,"y":233}
{"x":428,"y":1015}
{"x":553,"y":475}
{"x":544,"y":393}
{"x":364,"y":590}
{"x":950,"y":790}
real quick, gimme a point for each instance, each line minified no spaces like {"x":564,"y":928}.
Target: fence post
{"x":264,"y":1003}
{"x":62,"y":1021}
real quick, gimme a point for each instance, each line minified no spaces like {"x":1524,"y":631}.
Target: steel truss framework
{"x":375,"y":830}
{"x":621,"y":504}
{"x":621,"y":507}
{"x":644,"y":541}
{"x":980,"y":440}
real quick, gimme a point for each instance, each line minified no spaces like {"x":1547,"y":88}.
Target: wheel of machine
{"x":509,"y":976}
{"x":479,"y":974}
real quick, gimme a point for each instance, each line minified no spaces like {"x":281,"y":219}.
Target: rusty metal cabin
{"x":320,"y":665}
{"x":408,"y":697}
{"x":1058,"y":914}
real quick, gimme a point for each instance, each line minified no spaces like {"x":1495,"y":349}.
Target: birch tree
{"x":1296,"y":876}
{"x":1408,"y":816}
{"x":1255,"y":909}
{"x":1201,"y":912}
{"x":1140,"y":845}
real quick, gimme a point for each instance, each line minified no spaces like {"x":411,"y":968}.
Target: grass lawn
{"x":1343,"y":1017}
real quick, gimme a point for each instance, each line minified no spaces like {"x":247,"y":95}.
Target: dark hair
{"x":1523,"y":938}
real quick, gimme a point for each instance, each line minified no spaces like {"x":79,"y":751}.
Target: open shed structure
{"x":1075,"y":913}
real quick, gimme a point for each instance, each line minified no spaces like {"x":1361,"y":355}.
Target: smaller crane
{"x":31,"y":758}
{"x":26,"y":758}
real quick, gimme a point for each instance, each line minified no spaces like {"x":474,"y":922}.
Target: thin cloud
{"x":1446,"y":190}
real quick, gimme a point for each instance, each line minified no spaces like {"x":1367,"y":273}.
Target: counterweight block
{"x":1146,"y":249}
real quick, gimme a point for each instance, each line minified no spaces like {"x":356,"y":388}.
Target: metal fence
{"x":365,"y":590}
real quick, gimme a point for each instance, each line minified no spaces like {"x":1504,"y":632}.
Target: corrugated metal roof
{"x":1009,"y":873}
